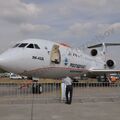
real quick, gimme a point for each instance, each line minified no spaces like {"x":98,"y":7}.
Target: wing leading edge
{"x":100,"y":71}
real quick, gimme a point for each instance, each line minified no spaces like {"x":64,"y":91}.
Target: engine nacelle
{"x":94,"y":52}
{"x":110,"y":63}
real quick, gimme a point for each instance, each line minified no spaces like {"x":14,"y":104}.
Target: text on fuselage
{"x":37,"y":58}
{"x":77,"y":65}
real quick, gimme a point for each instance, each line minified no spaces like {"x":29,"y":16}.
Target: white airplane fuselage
{"x":50,"y":60}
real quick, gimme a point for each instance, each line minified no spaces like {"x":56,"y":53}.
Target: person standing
{"x":69,"y":89}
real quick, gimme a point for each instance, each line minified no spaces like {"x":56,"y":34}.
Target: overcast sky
{"x":76,"y":22}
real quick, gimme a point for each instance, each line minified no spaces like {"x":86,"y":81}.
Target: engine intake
{"x":94,"y":52}
{"x":110,"y":63}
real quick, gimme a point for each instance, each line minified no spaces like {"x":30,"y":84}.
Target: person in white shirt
{"x":69,"y":89}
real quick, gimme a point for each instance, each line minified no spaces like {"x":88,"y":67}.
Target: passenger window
{"x":15,"y":46}
{"x":36,"y":46}
{"x":30,"y":46}
{"x":23,"y":45}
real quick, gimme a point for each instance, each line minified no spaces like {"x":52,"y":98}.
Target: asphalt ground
{"x":20,"y":93}
{"x":61,"y":111}
{"x":89,"y":103}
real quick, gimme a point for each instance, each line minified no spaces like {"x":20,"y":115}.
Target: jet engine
{"x":110,"y":63}
{"x":94,"y":52}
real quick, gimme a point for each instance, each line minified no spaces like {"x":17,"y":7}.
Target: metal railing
{"x":51,"y":92}
{"x":93,"y":92}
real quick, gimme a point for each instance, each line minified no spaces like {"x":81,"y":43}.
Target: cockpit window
{"x":23,"y":45}
{"x":36,"y":46}
{"x":16,"y":45}
{"x":30,"y":46}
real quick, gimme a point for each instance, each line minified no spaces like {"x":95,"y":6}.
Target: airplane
{"x":46,"y":59}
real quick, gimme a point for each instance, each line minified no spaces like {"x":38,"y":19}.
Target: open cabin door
{"x":55,"y":55}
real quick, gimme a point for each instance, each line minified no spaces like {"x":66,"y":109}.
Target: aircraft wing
{"x":101,"y":71}
{"x":104,"y":44}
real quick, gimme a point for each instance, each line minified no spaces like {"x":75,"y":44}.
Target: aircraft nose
{"x":3,"y":62}
{"x":9,"y":62}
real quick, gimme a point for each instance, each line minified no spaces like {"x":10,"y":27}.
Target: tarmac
{"x":89,"y":103}
{"x":61,"y":111}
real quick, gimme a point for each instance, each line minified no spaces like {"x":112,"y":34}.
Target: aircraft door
{"x":55,"y":55}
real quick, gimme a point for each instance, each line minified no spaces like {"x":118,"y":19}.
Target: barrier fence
{"x":51,"y":92}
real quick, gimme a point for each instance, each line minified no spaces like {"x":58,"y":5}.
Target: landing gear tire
{"x":36,"y":88}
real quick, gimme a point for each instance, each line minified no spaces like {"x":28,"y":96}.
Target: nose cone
{"x":4,"y":63}
{"x":8,"y":61}
{"x":1,"y":60}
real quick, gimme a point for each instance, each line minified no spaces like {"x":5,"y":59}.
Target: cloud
{"x":102,"y":10}
{"x":17,"y":11}
{"x":88,"y":3}
{"x":34,"y":28}
{"x":116,"y":26}
{"x":95,"y":4}
{"x":82,"y":29}
{"x":65,"y":19}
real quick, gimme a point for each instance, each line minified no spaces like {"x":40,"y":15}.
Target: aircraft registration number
{"x":37,"y":58}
